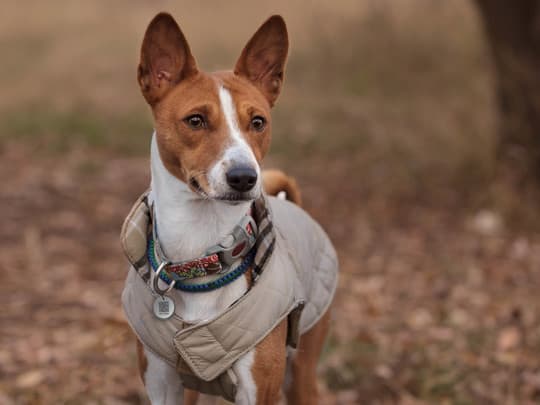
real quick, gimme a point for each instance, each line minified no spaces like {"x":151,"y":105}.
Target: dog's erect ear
{"x":263,"y":59}
{"x":165,"y":58}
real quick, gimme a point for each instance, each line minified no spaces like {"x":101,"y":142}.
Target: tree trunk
{"x":513,"y":32}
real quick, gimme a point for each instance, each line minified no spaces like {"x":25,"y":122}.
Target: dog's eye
{"x":258,"y":123}
{"x":195,"y":121}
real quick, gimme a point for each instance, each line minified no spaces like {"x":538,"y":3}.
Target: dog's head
{"x":213,"y":129}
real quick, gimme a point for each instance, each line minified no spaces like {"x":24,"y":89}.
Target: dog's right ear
{"x":165,"y":58}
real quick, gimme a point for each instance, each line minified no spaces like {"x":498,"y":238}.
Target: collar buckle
{"x":237,"y":244}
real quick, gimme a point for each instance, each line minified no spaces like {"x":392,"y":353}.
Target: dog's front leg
{"x":162,"y":382}
{"x":247,"y":390}
{"x":261,"y":371}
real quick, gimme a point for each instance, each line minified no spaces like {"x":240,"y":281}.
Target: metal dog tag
{"x":163,"y":307}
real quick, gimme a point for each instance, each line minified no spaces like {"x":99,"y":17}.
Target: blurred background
{"x":411,"y":126}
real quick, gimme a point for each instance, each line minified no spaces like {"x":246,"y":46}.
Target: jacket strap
{"x":209,"y":348}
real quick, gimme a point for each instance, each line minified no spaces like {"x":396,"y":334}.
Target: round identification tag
{"x":163,"y":307}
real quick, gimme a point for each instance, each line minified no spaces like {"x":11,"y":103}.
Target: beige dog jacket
{"x":299,"y":278}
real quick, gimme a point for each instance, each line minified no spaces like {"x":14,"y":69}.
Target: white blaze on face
{"x":237,"y":151}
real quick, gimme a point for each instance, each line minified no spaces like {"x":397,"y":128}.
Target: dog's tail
{"x":282,"y":186}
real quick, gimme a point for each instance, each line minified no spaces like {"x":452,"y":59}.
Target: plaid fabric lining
{"x":266,"y":238}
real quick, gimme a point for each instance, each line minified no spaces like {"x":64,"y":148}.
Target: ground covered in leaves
{"x":388,"y":120}
{"x":435,"y":304}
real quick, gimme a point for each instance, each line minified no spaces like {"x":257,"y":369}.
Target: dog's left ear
{"x":263,"y":59}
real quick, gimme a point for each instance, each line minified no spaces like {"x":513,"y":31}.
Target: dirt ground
{"x":434,"y":306}
{"x":388,"y":120}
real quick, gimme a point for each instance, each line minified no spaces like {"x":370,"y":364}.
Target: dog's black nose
{"x":241,"y":178}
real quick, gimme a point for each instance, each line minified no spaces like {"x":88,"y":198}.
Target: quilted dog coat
{"x":297,"y":282}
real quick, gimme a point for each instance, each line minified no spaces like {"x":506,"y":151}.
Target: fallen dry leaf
{"x":30,"y":379}
{"x":508,"y":338}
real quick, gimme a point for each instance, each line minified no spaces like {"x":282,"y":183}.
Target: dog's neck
{"x":187,"y":224}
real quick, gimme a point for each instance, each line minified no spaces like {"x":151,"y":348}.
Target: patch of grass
{"x":55,"y":131}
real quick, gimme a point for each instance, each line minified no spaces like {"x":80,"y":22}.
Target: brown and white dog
{"x":212,"y":131}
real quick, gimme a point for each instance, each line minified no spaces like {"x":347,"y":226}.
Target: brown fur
{"x":263,"y":59}
{"x":165,"y":58}
{"x":175,"y":89}
{"x":189,"y":153}
{"x":302,"y":389}
{"x":268,"y":368}
{"x":276,"y":181}
{"x":190,"y":397}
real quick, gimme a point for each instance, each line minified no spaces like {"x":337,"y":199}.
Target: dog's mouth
{"x":232,"y":197}
{"x":235,"y":198}
{"x":196,"y":187}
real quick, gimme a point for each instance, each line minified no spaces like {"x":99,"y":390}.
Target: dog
{"x":232,"y":335}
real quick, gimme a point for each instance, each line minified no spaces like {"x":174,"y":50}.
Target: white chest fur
{"x":187,"y":225}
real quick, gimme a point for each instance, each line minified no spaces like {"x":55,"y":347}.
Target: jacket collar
{"x":256,"y":229}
